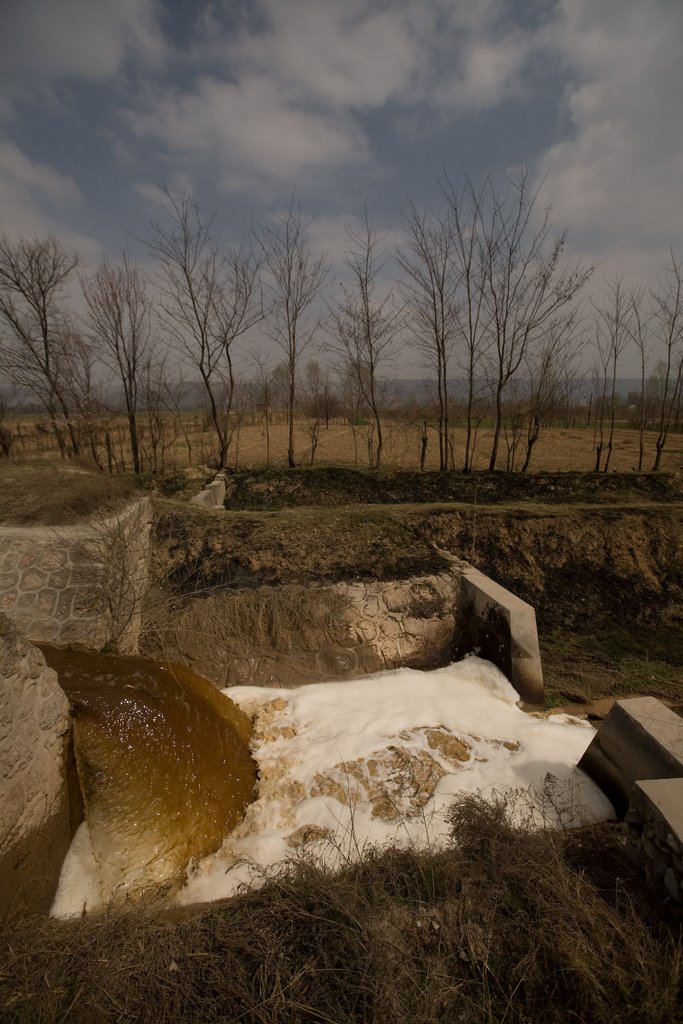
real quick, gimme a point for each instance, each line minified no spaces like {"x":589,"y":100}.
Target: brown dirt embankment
{"x":599,"y":557}
{"x":271,"y":489}
{"x":576,"y":564}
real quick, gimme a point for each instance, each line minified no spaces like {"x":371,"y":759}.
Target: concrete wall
{"x":640,"y":739}
{"x":34,"y":804}
{"x":502,"y":628}
{"x":213,"y":494}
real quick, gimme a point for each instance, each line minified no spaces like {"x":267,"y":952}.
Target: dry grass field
{"x":184,"y":441}
{"x":558,"y":449}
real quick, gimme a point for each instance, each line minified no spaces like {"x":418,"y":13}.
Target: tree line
{"x":481,"y":292}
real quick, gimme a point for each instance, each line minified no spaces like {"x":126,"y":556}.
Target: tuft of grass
{"x":507,"y":925}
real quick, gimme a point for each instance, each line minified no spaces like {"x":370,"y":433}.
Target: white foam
{"x":314,"y":729}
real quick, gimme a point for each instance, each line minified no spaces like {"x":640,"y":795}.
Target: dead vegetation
{"x":509,"y":924}
{"x":241,"y":621}
{"x":53,"y":493}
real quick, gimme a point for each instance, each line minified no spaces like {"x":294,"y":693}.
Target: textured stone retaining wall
{"x":417,"y":622}
{"x":404,"y":622}
{"x":34,"y":804}
{"x":78,"y":584}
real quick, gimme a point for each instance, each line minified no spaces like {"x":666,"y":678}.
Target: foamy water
{"x":375,"y":761}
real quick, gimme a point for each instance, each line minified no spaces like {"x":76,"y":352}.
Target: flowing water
{"x":163,"y":764}
{"x":166,"y":772}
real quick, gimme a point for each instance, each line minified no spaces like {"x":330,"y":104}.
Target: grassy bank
{"x":506,"y":925}
{"x":619,"y":660}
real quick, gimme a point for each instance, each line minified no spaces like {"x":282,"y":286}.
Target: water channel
{"x":198,"y":793}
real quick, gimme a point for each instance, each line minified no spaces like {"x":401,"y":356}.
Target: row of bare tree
{"x":483,"y":294}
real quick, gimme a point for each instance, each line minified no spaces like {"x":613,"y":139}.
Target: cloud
{"x":355,"y":55}
{"x":32,"y":193}
{"x":615,"y":180}
{"x":285,"y":93}
{"x":81,"y":39}
{"x":247,"y":129}
{"x":38,"y":200}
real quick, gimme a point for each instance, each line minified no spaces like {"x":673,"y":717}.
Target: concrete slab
{"x":503,"y":628}
{"x":665,"y":797}
{"x":640,"y":739}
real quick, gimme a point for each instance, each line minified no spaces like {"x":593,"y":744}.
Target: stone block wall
{"x":404,"y":622}
{"x":78,"y":584}
{"x":34,"y":803}
{"x":636,"y":757}
{"x":655,"y":833}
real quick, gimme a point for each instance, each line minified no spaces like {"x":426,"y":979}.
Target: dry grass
{"x":558,"y":448}
{"x":54,"y":493}
{"x":281,"y":619}
{"x":508,"y":925}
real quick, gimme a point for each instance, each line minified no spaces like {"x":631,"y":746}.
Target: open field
{"x":184,"y":441}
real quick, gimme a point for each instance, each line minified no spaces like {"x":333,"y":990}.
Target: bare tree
{"x":429,"y":290}
{"x":263,"y":389}
{"x":313,"y":405}
{"x":365,"y":328}
{"x":528,"y":288}
{"x":668,"y":318}
{"x":613,"y":333}
{"x":209,"y":300}
{"x":155,"y":396}
{"x":86,"y":393}
{"x":119,"y":315}
{"x":294,"y":279}
{"x":470,"y":256}
{"x":548,"y":369}
{"x":35,"y":352}
{"x":638,"y":328}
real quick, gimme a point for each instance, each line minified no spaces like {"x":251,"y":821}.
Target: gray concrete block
{"x":640,"y":739}
{"x":662,"y":798}
{"x":503,"y":628}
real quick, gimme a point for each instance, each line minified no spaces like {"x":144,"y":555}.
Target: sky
{"x":375,"y":761}
{"x":349,"y":102}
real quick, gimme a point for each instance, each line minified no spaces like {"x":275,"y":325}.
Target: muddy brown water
{"x":163,"y":764}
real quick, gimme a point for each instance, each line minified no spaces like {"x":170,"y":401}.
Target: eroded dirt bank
{"x":575,"y":565}
{"x":600,"y":558}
